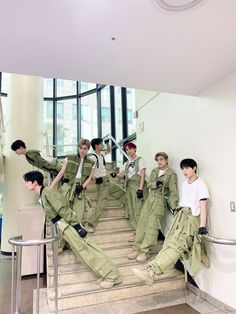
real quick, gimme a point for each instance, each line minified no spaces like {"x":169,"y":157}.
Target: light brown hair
{"x":162,"y":154}
{"x":84,"y":142}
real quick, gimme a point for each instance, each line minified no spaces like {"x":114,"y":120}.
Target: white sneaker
{"x":143,"y":257}
{"x":105,"y":284}
{"x":146,"y":275}
{"x":133,"y":255}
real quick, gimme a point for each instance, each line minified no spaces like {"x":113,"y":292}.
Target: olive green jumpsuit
{"x":85,"y":249}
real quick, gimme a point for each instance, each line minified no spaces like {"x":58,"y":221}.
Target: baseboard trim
{"x":222,"y":306}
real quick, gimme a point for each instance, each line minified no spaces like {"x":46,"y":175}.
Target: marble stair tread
{"x":68,"y":257}
{"x":73,"y":275}
{"x":93,"y":286}
{"x":74,"y":296}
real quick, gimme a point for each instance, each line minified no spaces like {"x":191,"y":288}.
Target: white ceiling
{"x":153,"y":49}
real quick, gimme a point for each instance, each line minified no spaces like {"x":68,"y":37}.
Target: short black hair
{"x":96,"y":141}
{"x":17,"y":144}
{"x":34,"y":176}
{"x":188,"y":162}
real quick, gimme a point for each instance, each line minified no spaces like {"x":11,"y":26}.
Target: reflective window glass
{"x":106,"y":111}
{"x":48,"y":87}
{"x":89,"y":127}
{"x":65,"y":88}
{"x":118,"y":114}
{"x":131,"y":110}
{"x":66,"y":128}
{"x":5,"y":83}
{"x":87,"y":86}
{"x":48,"y":125}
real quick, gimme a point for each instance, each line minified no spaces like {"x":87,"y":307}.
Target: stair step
{"x":84,"y":294}
{"x":68,"y":256}
{"x":72,"y":275}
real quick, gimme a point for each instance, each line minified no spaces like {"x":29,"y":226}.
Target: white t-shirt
{"x":141,"y":166}
{"x":99,"y":170}
{"x":192,"y":193}
{"x":161,"y":172}
{"x":79,"y":171}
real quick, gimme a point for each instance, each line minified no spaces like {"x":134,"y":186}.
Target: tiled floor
{"x":28,"y":284}
{"x":176,"y":309}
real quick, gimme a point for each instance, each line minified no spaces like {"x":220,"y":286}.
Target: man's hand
{"x":159,"y":184}
{"x":139,"y":194}
{"x":113,"y":174}
{"x":78,"y":189}
{"x":81,"y":231}
{"x":202,"y":230}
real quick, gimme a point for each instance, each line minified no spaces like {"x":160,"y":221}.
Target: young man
{"x":183,"y":240}
{"x":57,"y":209}
{"x":104,"y":186}
{"x":34,"y":158}
{"x":75,"y":175}
{"x":163,"y":195}
{"x":135,"y":184}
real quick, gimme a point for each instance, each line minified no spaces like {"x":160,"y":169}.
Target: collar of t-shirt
{"x":161,"y":172}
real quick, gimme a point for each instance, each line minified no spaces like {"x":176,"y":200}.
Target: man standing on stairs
{"x":135,"y":184}
{"x":163,"y":194}
{"x":75,"y":176}
{"x":105,"y":188}
{"x":34,"y":157}
{"x":58,"y":210}
{"x":183,"y":240}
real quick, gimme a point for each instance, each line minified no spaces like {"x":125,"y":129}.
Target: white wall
{"x":203,"y":128}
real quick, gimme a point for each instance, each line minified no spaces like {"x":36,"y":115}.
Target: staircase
{"x":78,"y":287}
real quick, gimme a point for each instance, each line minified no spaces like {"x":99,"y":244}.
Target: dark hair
{"x":96,"y":141}
{"x":17,"y":144}
{"x":188,"y":162}
{"x":34,"y":176}
{"x":130,"y":146}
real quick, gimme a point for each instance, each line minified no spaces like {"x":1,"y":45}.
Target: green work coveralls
{"x":155,"y":207}
{"x":134,"y":205}
{"x":182,"y":242}
{"x":67,"y":188}
{"x":34,"y":158}
{"x":105,"y":189}
{"x":85,"y":249}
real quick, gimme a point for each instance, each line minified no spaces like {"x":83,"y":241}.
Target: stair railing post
{"x":13,"y":280}
{"x":38,"y":278}
{"x":18,"y":277}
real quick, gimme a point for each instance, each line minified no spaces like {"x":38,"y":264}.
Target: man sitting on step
{"x":183,"y":240}
{"x":57,"y":209}
{"x":163,"y":194}
{"x":105,"y":188}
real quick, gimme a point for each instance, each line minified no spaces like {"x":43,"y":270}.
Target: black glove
{"x":56,"y":219}
{"x":159,"y":184}
{"x":81,"y":231}
{"x":99,"y":180}
{"x":202,"y":230}
{"x":139,"y":194}
{"x":78,"y":188}
{"x":113,"y":174}
{"x":106,"y":141}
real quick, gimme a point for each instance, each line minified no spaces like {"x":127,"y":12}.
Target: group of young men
{"x":145,"y":204}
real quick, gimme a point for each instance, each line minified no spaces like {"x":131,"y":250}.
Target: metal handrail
{"x":219,"y":240}
{"x":117,"y":144}
{"x":17,"y":244}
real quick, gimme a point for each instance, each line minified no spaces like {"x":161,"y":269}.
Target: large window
{"x":73,"y":110}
